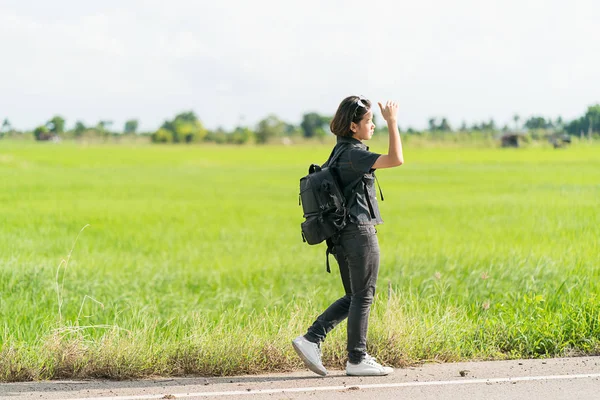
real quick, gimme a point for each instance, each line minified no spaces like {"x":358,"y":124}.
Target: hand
{"x":390,"y":111}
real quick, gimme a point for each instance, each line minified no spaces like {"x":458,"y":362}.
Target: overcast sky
{"x":237,"y":61}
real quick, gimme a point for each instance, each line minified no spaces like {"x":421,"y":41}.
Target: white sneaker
{"x":310,"y":353}
{"x":367,"y":367}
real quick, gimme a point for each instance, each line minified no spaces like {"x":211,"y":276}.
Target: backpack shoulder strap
{"x":335,"y":154}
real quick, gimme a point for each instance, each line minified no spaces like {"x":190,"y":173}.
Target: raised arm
{"x":394,"y":157}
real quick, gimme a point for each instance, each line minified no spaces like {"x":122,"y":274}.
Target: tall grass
{"x":193,"y":262}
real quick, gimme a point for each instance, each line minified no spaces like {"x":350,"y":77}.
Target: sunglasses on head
{"x":359,"y":103}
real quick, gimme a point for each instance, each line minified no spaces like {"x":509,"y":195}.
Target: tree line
{"x":186,"y":127}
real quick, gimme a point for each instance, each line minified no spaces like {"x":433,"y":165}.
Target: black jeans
{"x":357,"y":253}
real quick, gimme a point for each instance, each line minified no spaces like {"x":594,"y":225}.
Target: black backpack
{"x":323,"y":202}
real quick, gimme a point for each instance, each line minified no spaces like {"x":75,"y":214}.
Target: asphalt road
{"x":552,"y":379}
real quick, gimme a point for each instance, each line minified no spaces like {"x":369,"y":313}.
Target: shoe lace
{"x":371,"y":360}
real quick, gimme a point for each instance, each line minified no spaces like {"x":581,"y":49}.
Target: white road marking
{"x":346,"y":387}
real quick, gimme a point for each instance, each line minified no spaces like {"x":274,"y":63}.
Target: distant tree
{"x":242,"y":135}
{"x":463,"y":126}
{"x":188,"y":131}
{"x":489,"y":126}
{"x":444,"y":126}
{"x":103,"y":128}
{"x":56,"y":125}
{"x":42,"y":133}
{"x":559,"y":123}
{"x":188,"y":116}
{"x":293,"y":130}
{"x":130,"y":126}
{"x":516,"y":119}
{"x":79,"y":128}
{"x":593,"y":117}
{"x":269,"y":128}
{"x":536,"y":123}
{"x":475,"y":127}
{"x":432,"y":125}
{"x":312,"y":124}
{"x":185,"y":128}
{"x":104,"y":125}
{"x":577,"y":126}
{"x":162,"y":136}
{"x":6,"y":126}
{"x":587,"y":124}
{"x":219,"y":136}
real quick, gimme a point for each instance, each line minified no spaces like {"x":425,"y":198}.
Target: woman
{"x":355,"y":248}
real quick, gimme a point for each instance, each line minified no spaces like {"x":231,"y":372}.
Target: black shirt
{"x":358,"y":180}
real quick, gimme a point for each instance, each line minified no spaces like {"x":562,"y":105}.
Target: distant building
{"x":511,"y":139}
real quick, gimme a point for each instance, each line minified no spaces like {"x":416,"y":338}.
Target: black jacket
{"x":358,"y":180}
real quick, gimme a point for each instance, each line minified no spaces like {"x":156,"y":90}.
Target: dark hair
{"x":349,"y":110}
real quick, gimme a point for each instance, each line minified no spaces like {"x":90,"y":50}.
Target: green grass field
{"x":193,"y":262}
